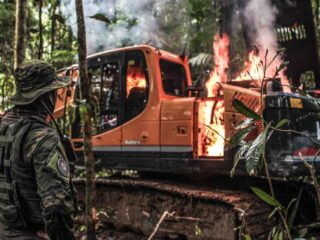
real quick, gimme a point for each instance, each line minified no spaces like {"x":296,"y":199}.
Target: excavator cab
{"x":134,"y":90}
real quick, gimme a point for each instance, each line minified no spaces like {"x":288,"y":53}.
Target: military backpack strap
{"x":10,"y":208}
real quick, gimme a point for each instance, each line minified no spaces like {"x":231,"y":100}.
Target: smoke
{"x":260,"y":17}
{"x":260,"y":20}
{"x":132,"y":22}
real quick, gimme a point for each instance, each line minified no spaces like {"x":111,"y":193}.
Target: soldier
{"x":36,"y":197}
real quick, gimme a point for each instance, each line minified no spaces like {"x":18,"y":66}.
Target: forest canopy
{"x":173,"y":25}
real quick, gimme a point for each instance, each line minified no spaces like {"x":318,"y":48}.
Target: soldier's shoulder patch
{"x":63,"y":167}
{"x":59,"y":166}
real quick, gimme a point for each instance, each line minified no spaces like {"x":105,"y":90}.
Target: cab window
{"x":137,"y":84}
{"x":174,"y":78}
{"x":109,"y":100}
{"x":105,"y":95}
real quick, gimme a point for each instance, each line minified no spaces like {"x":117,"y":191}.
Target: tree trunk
{"x":88,"y":153}
{"x":4,"y":52}
{"x":70,"y":40}
{"x":53,"y":27}
{"x":40,"y":49}
{"x":20,"y":32}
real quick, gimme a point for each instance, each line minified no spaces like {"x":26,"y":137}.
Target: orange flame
{"x":212,"y":112}
{"x":135,"y":79}
{"x":253,"y":68}
{"x":221,"y":61}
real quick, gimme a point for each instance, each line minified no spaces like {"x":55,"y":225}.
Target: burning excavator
{"x":149,"y":117}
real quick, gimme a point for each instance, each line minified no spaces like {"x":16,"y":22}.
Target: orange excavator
{"x":149,"y":117}
{"x":145,"y":115}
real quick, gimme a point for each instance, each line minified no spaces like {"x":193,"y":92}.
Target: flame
{"x":221,"y":60}
{"x":212,"y":134}
{"x":135,"y":79}
{"x":212,"y":112}
{"x":253,"y":68}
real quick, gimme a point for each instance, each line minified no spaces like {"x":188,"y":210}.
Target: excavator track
{"x":193,"y":212}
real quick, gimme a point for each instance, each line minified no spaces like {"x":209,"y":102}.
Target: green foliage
{"x":238,"y":156}
{"x":244,"y":110}
{"x":282,"y":123}
{"x":101,"y":17}
{"x":247,"y":237}
{"x":239,"y":136}
{"x":201,"y":59}
{"x":254,"y":154}
{"x":7,"y":21}
{"x":59,"y":18}
{"x":197,"y":230}
{"x":267,"y":198}
{"x":63,"y":58}
{"x":6,"y":90}
{"x":61,"y":54}
{"x":205,"y":16}
{"x":282,"y":66}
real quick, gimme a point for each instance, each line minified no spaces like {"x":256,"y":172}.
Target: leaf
{"x":101,"y":17}
{"x":267,"y":198}
{"x":238,"y":137}
{"x":197,"y":230}
{"x":282,"y":66}
{"x":281,"y":50}
{"x":245,"y":123}
{"x":244,"y":110}
{"x":280,"y":236}
{"x":303,"y":232}
{"x":82,"y":110}
{"x":290,"y":204}
{"x":132,"y":22}
{"x":304,"y":238}
{"x":237,"y":158}
{"x":253,"y":155}
{"x":272,"y":213}
{"x":59,"y":18}
{"x":201,"y":59}
{"x":282,"y":123}
{"x":302,"y":93}
{"x":33,"y":30}
{"x":247,"y":237}
{"x":82,"y":228}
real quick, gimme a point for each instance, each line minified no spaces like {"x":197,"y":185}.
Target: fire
{"x":253,"y":68}
{"x":212,"y":135}
{"x":221,"y":61}
{"x":135,"y":79}
{"x":212,"y":112}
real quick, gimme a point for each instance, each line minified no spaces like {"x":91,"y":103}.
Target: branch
{"x":297,"y":132}
{"x":216,"y":132}
{"x":313,"y":175}
{"x":164,"y":215}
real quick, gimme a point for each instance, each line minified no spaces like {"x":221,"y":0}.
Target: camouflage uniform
{"x":35,"y":189}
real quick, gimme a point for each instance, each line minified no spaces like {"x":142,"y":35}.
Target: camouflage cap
{"x":35,"y":78}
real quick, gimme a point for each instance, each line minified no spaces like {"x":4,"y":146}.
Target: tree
{"x":87,"y":116}
{"x":40,"y":50}
{"x":20,"y":32}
